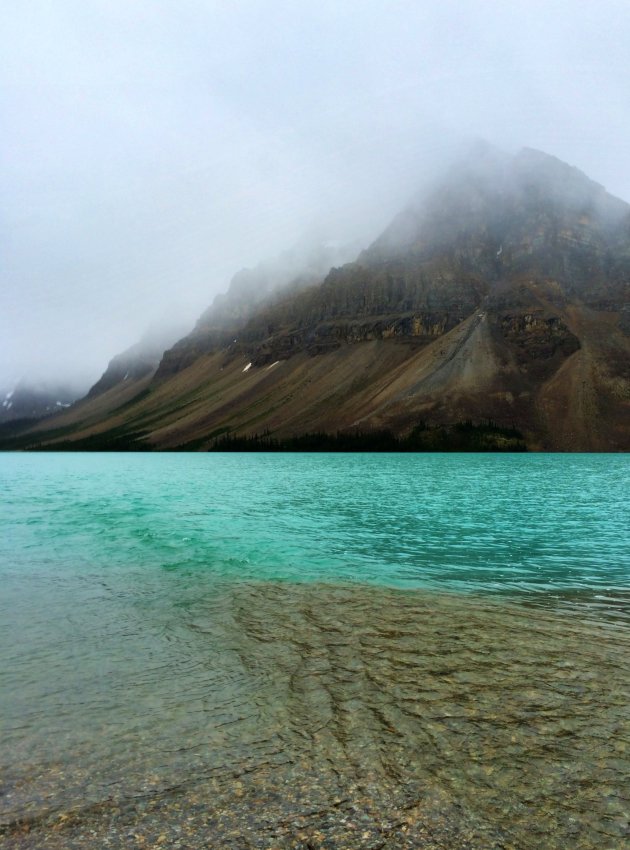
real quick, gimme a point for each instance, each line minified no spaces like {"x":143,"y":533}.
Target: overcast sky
{"x":151,"y":148}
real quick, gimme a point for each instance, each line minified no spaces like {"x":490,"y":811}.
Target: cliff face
{"x":503,"y":294}
{"x":251,"y":291}
{"x":493,"y":230}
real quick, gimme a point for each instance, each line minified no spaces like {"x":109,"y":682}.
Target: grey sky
{"x":150,"y":149}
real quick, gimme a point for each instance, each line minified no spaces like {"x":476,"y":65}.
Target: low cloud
{"x":150,"y":150}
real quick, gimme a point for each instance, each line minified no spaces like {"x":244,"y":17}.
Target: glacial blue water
{"x":533,"y":525}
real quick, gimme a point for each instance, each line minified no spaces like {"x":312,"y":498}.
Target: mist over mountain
{"x":251,"y":291}
{"x":27,"y":399}
{"x":140,"y":359}
{"x":151,"y":150}
{"x":499,"y":295}
{"x":292,"y":270}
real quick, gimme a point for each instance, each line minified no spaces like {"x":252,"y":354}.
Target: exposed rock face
{"x":250,"y":292}
{"x":538,"y":340}
{"x":503,"y":294}
{"x":494,"y":229}
{"x":495,"y":226}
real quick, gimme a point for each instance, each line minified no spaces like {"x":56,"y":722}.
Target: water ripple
{"x":169,"y":621}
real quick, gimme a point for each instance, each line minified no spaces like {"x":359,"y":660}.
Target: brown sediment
{"x":356,"y":717}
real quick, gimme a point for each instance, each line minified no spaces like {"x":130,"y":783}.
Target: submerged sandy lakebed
{"x":322,"y":715}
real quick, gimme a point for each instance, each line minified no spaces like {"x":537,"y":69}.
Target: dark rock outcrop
{"x":496,"y":228}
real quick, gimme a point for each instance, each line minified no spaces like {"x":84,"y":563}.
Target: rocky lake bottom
{"x":339,"y":716}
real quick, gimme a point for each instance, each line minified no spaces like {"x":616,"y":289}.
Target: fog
{"x":151,"y":149}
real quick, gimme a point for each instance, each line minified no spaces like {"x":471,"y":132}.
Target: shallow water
{"x":349,"y":648}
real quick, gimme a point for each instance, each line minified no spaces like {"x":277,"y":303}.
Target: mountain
{"x":502,"y":295}
{"x":251,"y":291}
{"x":28,"y":400}
{"x":138,"y":362}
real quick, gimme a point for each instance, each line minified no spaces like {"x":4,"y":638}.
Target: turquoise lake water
{"x":537,"y":524}
{"x":155,"y":609}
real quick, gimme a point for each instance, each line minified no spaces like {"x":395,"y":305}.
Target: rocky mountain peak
{"x":500,"y":295}
{"x":492,"y":198}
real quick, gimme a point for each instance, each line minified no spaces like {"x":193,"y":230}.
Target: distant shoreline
{"x":458,"y":437}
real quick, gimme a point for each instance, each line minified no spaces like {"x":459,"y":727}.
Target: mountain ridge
{"x":502,"y":295}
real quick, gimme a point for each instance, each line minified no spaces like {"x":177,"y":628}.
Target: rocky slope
{"x":503,"y":295}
